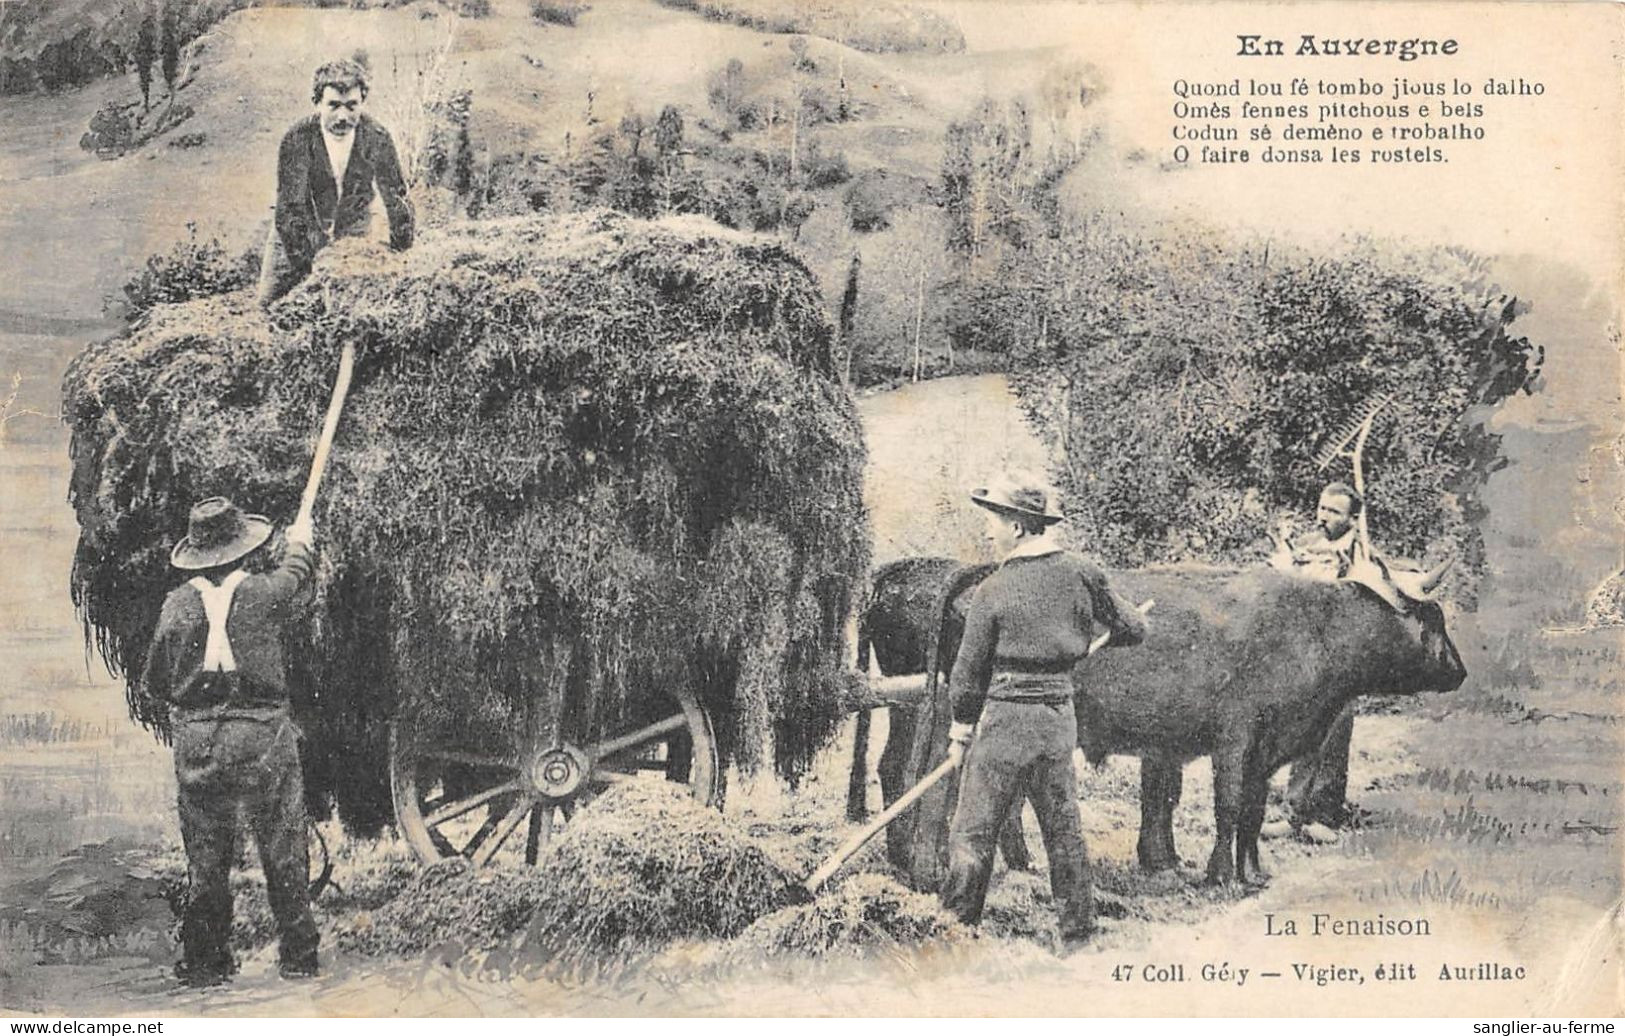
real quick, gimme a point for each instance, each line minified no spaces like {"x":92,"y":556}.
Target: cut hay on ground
{"x":864,"y":913}
{"x":644,"y":865}
{"x":366,"y":878}
{"x":451,"y":906}
{"x":593,"y":438}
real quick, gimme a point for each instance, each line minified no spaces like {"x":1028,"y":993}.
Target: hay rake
{"x":1349,"y":441}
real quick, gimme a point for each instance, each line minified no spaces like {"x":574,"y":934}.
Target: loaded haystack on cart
{"x":593,"y":513}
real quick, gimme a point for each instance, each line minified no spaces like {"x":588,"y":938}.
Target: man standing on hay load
{"x":216,"y":662}
{"x":1029,"y":623}
{"x":326,"y":170}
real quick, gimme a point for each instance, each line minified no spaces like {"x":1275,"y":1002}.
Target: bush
{"x":118,"y":128}
{"x":875,"y":195}
{"x":515,"y":184}
{"x":192,"y":269}
{"x":556,"y":12}
{"x":112,"y":131}
{"x":821,"y":170}
{"x":1196,"y":383}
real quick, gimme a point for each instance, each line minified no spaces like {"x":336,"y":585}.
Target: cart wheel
{"x":454,"y":801}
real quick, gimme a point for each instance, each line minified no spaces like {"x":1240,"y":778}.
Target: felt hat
{"x":218,"y":533}
{"x":1027,"y":498}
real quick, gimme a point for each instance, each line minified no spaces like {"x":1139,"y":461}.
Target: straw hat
{"x":218,"y":533}
{"x":1026,"y":497}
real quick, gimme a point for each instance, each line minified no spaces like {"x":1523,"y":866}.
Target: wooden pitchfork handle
{"x":850,"y":847}
{"x":335,"y":406}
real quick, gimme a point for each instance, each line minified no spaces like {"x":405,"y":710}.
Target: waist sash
{"x":1030,"y":688}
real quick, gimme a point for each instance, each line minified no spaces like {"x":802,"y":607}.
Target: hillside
{"x":536,"y":89}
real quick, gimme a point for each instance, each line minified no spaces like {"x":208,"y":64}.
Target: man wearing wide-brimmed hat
{"x":216,"y":661}
{"x":1030,"y":622}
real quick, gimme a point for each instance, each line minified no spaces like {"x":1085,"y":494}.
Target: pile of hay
{"x":594,"y":438}
{"x":450,"y":906}
{"x":644,"y":865}
{"x":865,"y":913}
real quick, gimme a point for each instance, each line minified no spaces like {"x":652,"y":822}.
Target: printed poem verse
{"x":1359,"y":120}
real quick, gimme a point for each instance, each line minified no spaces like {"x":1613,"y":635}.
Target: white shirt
{"x":338,"y":155}
{"x":1033,"y":547}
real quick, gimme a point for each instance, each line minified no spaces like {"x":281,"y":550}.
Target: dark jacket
{"x":310,"y":210}
{"x":1036,"y":615}
{"x":261,"y":607}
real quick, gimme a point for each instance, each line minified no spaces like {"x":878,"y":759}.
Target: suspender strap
{"x":217,"y":655}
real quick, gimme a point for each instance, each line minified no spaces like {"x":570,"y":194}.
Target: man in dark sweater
{"x":1029,"y":623}
{"x":326,"y":170}
{"x":216,"y":660}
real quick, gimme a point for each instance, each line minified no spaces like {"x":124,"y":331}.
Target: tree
{"x":1187,"y":385}
{"x":669,"y":155}
{"x":849,"y":312}
{"x":901,"y":319}
{"x":631,"y":168}
{"x":169,"y":44}
{"x":146,"y":51}
{"x":987,"y":181}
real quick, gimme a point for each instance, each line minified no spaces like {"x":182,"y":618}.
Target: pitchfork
{"x":850,"y":847}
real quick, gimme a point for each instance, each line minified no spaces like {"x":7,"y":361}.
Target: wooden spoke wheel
{"x":457,"y":800}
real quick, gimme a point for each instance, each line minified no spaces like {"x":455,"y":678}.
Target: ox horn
{"x":1431,"y":579}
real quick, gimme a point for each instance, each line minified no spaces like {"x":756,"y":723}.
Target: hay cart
{"x":470,"y":800}
{"x":594,"y":515}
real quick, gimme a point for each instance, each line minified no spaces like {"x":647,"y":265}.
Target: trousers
{"x":1317,"y":784}
{"x":231,"y":764}
{"x":1020,"y":749}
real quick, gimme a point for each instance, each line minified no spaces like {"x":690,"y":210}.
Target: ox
{"x":903,"y":609}
{"x":1250,"y":667}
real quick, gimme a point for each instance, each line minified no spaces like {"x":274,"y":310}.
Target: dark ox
{"x":1250,"y":667}
{"x":896,"y":623}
